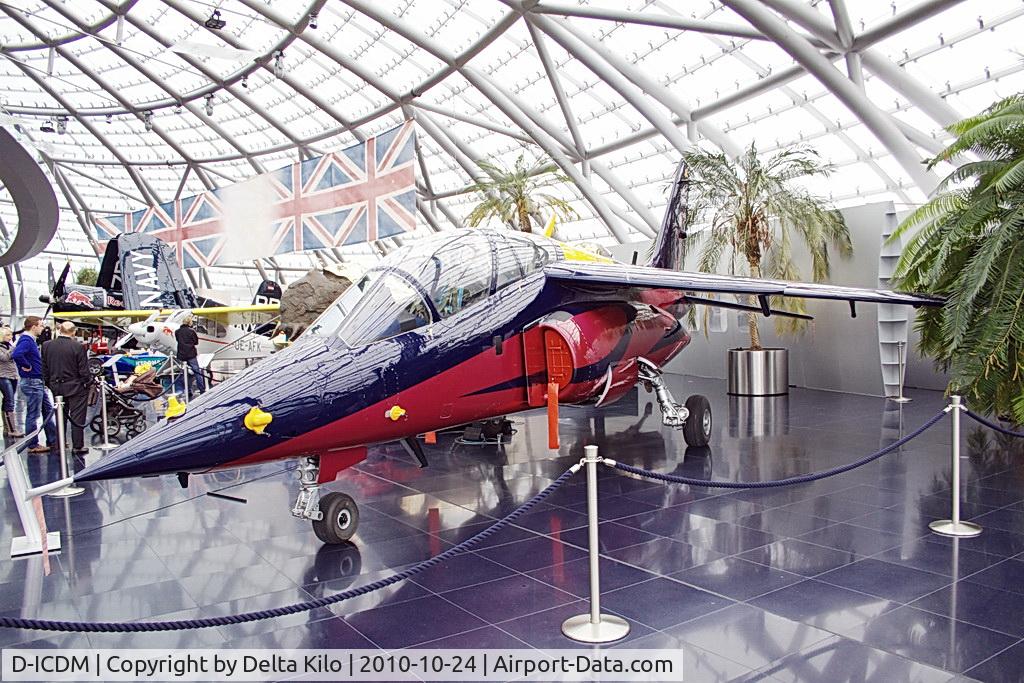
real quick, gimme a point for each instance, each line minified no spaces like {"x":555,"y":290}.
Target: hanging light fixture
{"x":279,"y":64}
{"x":312,"y":21}
{"x":62,"y":125}
{"x":215,"y":22}
{"x":147,"y":120}
{"x":209,"y":105}
{"x":178,"y":108}
{"x":245,"y":82}
{"x":47,"y":126}
{"x":110,"y":118}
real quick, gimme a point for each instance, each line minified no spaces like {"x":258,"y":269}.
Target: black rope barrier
{"x":144,"y":626}
{"x":992,"y":425}
{"x":802,"y":479}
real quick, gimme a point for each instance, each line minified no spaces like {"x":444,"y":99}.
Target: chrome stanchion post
{"x":901,"y":350}
{"x":68,"y":490}
{"x":106,"y":445}
{"x":594,"y":627}
{"x":953,"y":526}
{"x":186,"y":377}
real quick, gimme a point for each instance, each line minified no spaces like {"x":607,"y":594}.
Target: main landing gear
{"x":694,"y":418}
{"x":335,"y":515}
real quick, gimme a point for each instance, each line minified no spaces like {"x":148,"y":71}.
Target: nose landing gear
{"x":694,"y":418}
{"x":335,"y":515}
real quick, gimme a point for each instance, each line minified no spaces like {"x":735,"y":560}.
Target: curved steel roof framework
{"x":154,"y":104}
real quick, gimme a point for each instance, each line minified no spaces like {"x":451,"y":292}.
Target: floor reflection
{"x":836,"y":580}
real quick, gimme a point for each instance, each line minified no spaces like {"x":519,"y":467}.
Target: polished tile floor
{"x":839,"y":580}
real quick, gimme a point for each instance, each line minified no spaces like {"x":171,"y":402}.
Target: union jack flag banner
{"x":362,"y":193}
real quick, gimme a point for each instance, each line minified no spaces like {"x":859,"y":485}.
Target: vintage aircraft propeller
{"x":55,"y":285}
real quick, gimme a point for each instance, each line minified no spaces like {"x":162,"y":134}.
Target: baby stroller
{"x":123,"y":399}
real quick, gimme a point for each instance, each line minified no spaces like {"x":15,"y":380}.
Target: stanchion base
{"x":67,"y":492}
{"x":898,"y":399}
{"x":609,"y":629}
{"x":21,"y":545}
{"x":106,"y":446}
{"x":948,"y":527}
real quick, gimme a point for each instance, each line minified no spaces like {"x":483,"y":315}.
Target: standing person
{"x":188,"y":340}
{"x":66,"y":372}
{"x":8,"y":382}
{"x":30,"y":368}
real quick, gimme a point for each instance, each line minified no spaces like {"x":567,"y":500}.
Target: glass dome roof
{"x":146,"y":102}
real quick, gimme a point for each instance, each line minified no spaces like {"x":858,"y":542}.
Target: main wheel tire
{"x":697,"y":429}
{"x":340,"y":518}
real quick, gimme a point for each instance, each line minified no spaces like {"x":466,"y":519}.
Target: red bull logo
{"x":79,"y":299}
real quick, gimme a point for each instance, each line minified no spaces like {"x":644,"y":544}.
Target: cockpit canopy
{"x":431,"y":280}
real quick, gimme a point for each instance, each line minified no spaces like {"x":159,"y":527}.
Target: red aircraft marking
{"x":334,"y":441}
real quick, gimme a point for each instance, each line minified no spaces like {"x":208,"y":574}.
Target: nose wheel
{"x":335,"y":516}
{"x":694,"y":417}
{"x":340,"y":518}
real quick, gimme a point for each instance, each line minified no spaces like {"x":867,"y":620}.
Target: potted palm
{"x":969,"y":247}
{"x":513,"y":195}
{"x":754,"y":213}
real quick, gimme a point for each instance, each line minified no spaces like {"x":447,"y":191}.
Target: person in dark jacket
{"x":30,"y":368}
{"x":188,"y":340}
{"x":8,"y":382}
{"x":66,"y":373}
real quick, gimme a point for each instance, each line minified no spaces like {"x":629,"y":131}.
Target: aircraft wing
{"x":622,"y":276}
{"x":222,"y":314}
{"x":104,"y":316}
{"x":239,"y":315}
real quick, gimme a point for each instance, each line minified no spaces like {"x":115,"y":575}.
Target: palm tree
{"x":754,"y":213}
{"x":513,"y":195}
{"x":969,"y":247}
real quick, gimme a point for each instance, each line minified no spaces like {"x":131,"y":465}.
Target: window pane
{"x":390,"y":307}
{"x":517,"y":257}
{"x":463,"y":274}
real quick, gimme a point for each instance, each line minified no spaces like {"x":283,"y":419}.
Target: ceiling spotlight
{"x":245,"y":82}
{"x":110,"y":118}
{"x":209,"y":105}
{"x":312,"y":20}
{"x":215,"y":22}
{"x":147,"y":120}
{"x":279,"y":64}
{"x":62,"y":125}
{"x":47,"y":126}
{"x":177,"y":108}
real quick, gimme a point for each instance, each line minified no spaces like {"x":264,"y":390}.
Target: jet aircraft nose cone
{"x":212,"y":431}
{"x":120,"y":462}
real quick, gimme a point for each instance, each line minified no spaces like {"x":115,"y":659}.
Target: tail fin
{"x":143,"y":272}
{"x":670,"y":244}
{"x":269,"y":292}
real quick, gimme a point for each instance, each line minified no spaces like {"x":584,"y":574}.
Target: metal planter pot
{"x":764,"y":372}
